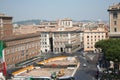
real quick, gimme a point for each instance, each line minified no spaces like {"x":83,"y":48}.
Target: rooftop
{"x":27,"y":29}
{"x":3,"y":15}
{"x":114,"y":7}
{"x":98,"y":29}
{"x":22,"y":36}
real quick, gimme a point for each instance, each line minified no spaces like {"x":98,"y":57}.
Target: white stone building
{"x":60,"y":40}
{"x":44,"y":42}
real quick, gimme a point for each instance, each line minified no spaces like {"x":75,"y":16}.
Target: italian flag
{"x":2,"y":59}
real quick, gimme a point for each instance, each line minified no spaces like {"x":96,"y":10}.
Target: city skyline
{"x":52,"y":10}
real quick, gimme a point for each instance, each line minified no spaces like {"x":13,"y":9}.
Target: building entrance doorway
{"x":61,"y":49}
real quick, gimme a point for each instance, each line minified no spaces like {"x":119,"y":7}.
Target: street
{"x":87,"y":68}
{"x":85,"y":72}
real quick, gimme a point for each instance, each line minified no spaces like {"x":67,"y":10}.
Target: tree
{"x":110,"y":49}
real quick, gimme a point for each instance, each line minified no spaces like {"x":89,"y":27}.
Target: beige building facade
{"x":114,"y":20}
{"x":21,"y":48}
{"x":18,"y":47}
{"x":91,"y":36}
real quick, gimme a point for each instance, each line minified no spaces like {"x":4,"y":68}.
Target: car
{"x":66,"y":78}
{"x":84,"y":65}
{"x":83,"y":54}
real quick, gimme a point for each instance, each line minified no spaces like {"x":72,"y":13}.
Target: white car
{"x":84,"y":65}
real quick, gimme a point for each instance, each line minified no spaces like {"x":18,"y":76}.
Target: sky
{"x":56,"y":9}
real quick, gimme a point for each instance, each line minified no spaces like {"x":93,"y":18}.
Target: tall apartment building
{"x":6,"y":28}
{"x":114,"y":20}
{"x":92,"y":35}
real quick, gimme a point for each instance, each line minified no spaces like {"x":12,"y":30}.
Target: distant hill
{"x":37,"y":21}
{"x":34,"y":21}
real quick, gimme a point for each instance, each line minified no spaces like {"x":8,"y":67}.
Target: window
{"x":115,"y":22}
{"x":115,"y":15}
{"x":87,"y":39}
{"x":7,"y":51}
{"x":95,"y":39}
{"x":91,"y":43}
{"x":8,"y":60}
{"x":45,"y":42}
{"x":22,"y":54}
{"x":115,"y":29}
{"x":45,"y":35}
{"x":68,"y":23}
{"x":87,"y":36}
